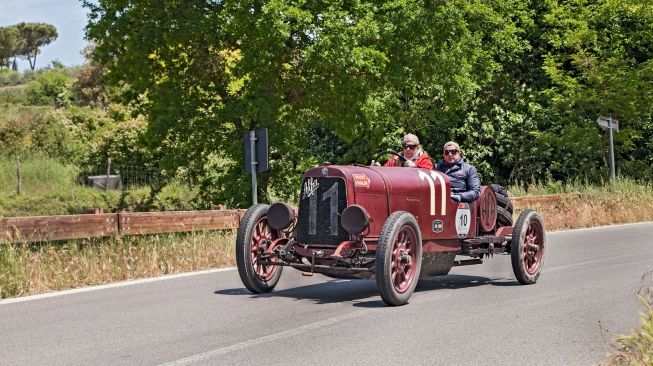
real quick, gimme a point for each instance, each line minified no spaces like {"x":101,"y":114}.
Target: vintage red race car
{"x":392,"y":224}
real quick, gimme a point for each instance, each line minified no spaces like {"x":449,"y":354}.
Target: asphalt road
{"x":477,"y":315}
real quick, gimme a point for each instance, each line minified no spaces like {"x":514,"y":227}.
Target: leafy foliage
{"x":205,"y":73}
{"x":50,"y":88}
{"x":33,"y":36}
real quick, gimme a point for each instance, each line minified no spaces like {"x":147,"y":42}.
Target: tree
{"x":90,"y":87}
{"x":35,"y":36}
{"x":206,"y":72}
{"x":10,"y":45}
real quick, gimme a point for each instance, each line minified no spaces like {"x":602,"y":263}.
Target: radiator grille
{"x":321,"y":202}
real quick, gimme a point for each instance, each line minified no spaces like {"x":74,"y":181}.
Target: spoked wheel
{"x":527,"y":247}
{"x":398,"y":258}
{"x":254,"y":238}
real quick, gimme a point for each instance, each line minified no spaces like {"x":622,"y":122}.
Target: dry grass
{"x":45,"y":267}
{"x":619,"y":203}
{"x":587,"y":210}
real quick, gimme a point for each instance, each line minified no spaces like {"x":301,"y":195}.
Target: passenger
{"x":414,"y":156}
{"x":465,"y":184}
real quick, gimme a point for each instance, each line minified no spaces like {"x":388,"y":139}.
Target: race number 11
{"x":431,"y":181}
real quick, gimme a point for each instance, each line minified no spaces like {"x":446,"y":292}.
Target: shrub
{"x":50,"y":88}
{"x":10,"y":77}
{"x":35,"y":130}
{"x":12,"y":95}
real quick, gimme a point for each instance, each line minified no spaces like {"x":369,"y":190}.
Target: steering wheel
{"x":376,"y":157}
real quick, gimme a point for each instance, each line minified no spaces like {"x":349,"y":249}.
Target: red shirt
{"x":423,"y":161}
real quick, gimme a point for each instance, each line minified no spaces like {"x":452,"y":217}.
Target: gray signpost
{"x":255,"y":144}
{"x":610,"y":124}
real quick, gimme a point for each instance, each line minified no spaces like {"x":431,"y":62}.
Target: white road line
{"x":616,"y":226}
{"x":188,"y":274}
{"x":257,"y":341}
{"x":111,"y":285}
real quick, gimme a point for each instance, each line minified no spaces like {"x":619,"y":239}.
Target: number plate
{"x":321,"y":202}
{"x":463,"y":220}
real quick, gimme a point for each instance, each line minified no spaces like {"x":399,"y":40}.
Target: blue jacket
{"x":464,"y":179}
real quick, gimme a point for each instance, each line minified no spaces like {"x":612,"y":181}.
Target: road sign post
{"x":255,"y":145}
{"x":610,"y":124}
{"x":252,"y":160}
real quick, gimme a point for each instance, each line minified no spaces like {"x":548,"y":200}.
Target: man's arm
{"x":473,"y":183}
{"x":391,"y":162}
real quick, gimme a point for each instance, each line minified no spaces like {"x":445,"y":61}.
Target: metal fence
{"x":128,"y":176}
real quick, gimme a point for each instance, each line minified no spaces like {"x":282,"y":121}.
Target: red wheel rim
{"x":404,"y":259}
{"x":262,"y":238}
{"x":533,"y":247}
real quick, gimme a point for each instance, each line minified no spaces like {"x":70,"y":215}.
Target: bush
{"x":12,"y":95}
{"x":35,"y":130}
{"x":10,"y":77}
{"x":50,"y":88}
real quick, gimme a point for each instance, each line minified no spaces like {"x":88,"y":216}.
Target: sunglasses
{"x":410,"y":146}
{"x":450,"y":152}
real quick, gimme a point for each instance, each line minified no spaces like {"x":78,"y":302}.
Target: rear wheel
{"x":254,"y":238}
{"x":527,"y":247}
{"x":398,"y":258}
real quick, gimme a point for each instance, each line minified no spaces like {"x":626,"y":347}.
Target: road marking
{"x":111,"y":285}
{"x":188,"y":274}
{"x":632,"y":257}
{"x":615,"y":226}
{"x":206,"y":356}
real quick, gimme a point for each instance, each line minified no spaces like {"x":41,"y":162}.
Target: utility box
{"x":104,"y":181}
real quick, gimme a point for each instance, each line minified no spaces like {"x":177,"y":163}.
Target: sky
{"x":68,"y":16}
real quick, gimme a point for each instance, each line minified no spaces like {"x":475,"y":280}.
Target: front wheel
{"x":527,"y":247}
{"x":398,"y":258}
{"x":254,"y":237}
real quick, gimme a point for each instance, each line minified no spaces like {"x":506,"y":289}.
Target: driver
{"x":414,"y":156}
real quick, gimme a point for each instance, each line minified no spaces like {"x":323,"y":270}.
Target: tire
{"x":510,"y":208}
{"x":499,"y":190}
{"x":252,"y":233}
{"x":504,"y":218}
{"x":398,"y":258}
{"x":505,"y":203}
{"x":528,"y":247}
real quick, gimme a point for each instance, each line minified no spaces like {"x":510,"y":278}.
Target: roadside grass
{"x":582,"y":205}
{"x":50,"y":187}
{"x":636,"y":348}
{"x":39,"y":174}
{"x":43,"y":267}
{"x":50,"y":266}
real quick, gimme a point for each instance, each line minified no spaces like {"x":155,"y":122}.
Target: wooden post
{"x":18,"y":175}
{"x":106,"y":186}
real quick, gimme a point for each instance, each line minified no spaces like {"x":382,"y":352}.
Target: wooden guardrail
{"x":97,"y":225}
{"x":546,"y":199}
{"x":64,"y":227}
{"x":526,"y":201}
